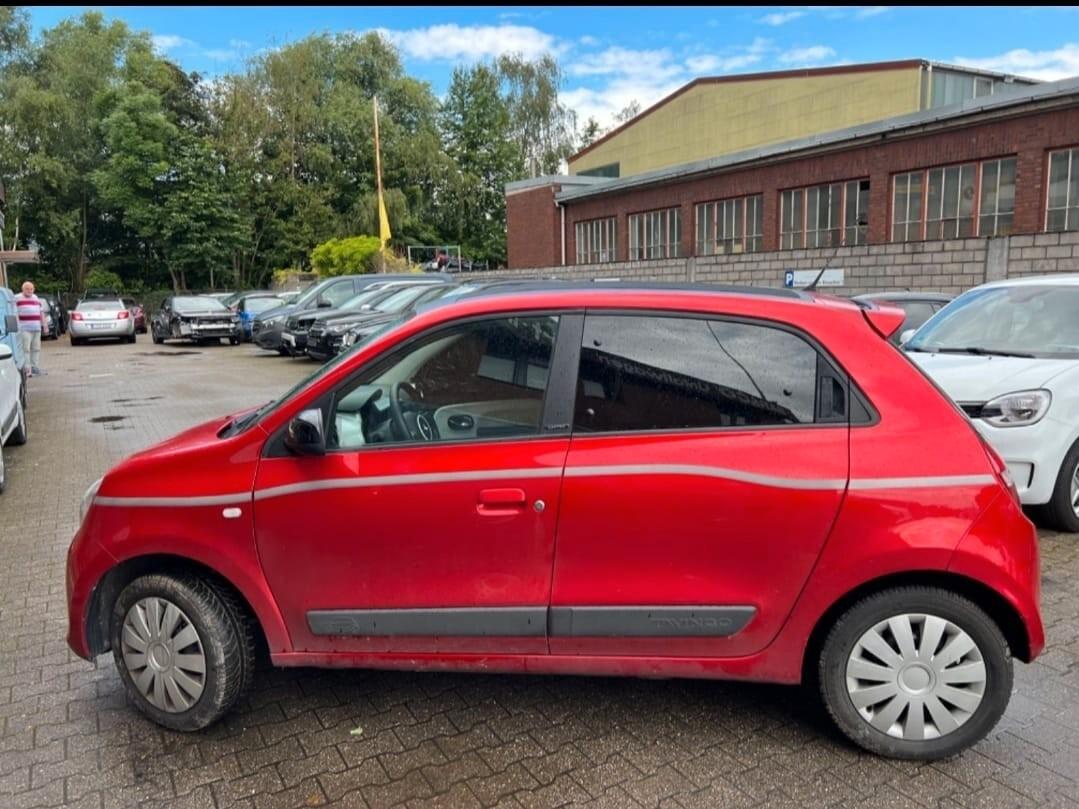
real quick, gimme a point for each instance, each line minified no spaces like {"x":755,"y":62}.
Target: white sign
{"x":803,"y":278}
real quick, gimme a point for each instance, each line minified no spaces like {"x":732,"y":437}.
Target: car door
{"x":428,"y":524}
{"x":708,"y":461}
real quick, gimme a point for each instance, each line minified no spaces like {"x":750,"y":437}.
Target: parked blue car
{"x":9,"y":334}
{"x":249,"y":304}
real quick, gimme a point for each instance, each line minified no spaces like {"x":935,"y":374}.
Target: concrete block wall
{"x":939,"y":266}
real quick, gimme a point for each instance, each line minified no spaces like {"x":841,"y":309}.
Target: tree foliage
{"x":114,"y":158}
{"x":345,"y":256}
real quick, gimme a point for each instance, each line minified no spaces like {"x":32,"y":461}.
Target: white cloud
{"x":219,"y":55}
{"x":1049,"y":65}
{"x":730,"y":59}
{"x":472,"y":43}
{"x":866,"y":12}
{"x":806,"y":56}
{"x":589,"y":41}
{"x":781,"y":17}
{"x":618,"y":61}
{"x":239,"y":44}
{"x":166,"y":42}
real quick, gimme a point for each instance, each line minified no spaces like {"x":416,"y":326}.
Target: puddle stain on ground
{"x":166,"y":353}
{"x":106,"y":419}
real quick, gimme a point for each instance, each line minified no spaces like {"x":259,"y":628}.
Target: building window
{"x":656,"y":234}
{"x":945,"y":203}
{"x":730,"y":226}
{"x":824,"y":215}
{"x":609,"y":170}
{"x":1062,"y":209}
{"x":595,"y":241}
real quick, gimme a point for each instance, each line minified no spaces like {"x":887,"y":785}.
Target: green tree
{"x":345,"y":256}
{"x":590,"y":134}
{"x":477,"y":130}
{"x":542,"y":126}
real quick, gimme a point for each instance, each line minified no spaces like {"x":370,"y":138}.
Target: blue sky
{"x":612,"y":56}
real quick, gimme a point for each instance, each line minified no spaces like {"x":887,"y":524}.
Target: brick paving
{"x":67,"y":738}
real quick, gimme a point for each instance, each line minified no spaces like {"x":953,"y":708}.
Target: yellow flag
{"x":383,"y":222}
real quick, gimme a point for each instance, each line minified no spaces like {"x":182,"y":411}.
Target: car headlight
{"x":341,"y":329}
{"x":88,"y":499}
{"x":273,"y":321}
{"x":1020,"y":409}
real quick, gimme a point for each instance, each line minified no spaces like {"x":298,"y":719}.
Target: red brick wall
{"x":533,"y":228}
{"x":1029,"y":138}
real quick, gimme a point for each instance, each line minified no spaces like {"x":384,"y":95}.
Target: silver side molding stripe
{"x":804,"y":484}
{"x":210,"y":500}
{"x":407,"y":480}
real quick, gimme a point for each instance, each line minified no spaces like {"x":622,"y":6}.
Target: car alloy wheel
{"x":1075,"y":490}
{"x":916,"y":677}
{"x":164,"y":654}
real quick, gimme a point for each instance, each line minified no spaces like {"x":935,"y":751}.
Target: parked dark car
{"x":195,"y":317}
{"x":137,"y":313}
{"x":918,"y":306}
{"x":294,"y":336}
{"x":267,"y":327}
{"x":52,"y":329}
{"x":325,"y":337}
{"x":59,"y":312}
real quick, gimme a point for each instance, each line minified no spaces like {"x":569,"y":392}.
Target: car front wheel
{"x":915,"y":673}
{"x":1062,"y":510}
{"x":183,"y":649}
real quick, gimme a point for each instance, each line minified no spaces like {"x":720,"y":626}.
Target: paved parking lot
{"x":355,"y":738}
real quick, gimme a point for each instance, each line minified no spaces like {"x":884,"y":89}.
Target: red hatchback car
{"x":583,"y":479}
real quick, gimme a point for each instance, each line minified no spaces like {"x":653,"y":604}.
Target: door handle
{"x":501,"y":502}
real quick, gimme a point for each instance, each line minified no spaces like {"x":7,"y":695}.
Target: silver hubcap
{"x":916,"y":677}
{"x":1075,"y":490}
{"x":164,"y":655}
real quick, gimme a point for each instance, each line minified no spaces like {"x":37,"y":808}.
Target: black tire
{"x":76,"y":341}
{"x":964,"y":614}
{"x":3,"y":471}
{"x":157,"y":340}
{"x":20,"y":433}
{"x":282,"y":351}
{"x":1058,"y":513}
{"x":234,"y":341}
{"x":132,"y":338}
{"x":227,"y":642}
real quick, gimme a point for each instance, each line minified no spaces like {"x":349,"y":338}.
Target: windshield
{"x":99,"y":306}
{"x":198,"y":304}
{"x":368,"y":295}
{"x":1037,"y":321}
{"x":401,"y":299}
{"x":343,"y":357}
{"x":261,"y":304}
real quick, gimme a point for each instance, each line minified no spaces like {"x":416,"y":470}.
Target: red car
{"x":137,"y":313}
{"x":583,"y":479}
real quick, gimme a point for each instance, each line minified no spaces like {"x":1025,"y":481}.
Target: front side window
{"x":337,"y":294}
{"x":1062,"y":208}
{"x":647,"y":372}
{"x":595,"y":241}
{"x":945,"y":202}
{"x":730,"y":226}
{"x":475,"y":381}
{"x":656,"y":234}
{"x":824,"y":215}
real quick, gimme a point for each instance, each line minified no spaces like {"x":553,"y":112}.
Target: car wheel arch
{"x":995,"y":605}
{"x":265,"y":620}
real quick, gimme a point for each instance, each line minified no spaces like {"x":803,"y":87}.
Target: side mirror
{"x":323,"y":303}
{"x":11,"y":324}
{"x":906,"y":335}
{"x":305,"y":436}
{"x":5,"y":352}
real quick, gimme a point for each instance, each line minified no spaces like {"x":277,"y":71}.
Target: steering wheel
{"x":422,"y":424}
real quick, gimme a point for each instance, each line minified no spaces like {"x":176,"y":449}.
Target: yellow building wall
{"x":715,"y":119}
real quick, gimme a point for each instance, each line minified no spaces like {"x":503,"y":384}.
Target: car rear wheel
{"x":76,"y":341}
{"x":1062,"y":510}
{"x":3,"y":471}
{"x":915,"y":673}
{"x":153,"y":336}
{"x":183,"y":648}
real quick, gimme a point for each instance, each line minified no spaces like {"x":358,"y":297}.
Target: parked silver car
{"x":101,"y":317}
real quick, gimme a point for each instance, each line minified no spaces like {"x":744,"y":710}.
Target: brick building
{"x":966,"y":179}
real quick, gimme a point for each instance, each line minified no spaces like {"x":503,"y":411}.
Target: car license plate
{"x":100,"y":325}
{"x":288,"y":338}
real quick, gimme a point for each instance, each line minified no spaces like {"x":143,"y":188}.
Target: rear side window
{"x":662,"y":373}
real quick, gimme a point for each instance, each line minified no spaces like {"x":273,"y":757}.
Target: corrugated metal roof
{"x":1015,"y":96}
{"x":553,"y":179}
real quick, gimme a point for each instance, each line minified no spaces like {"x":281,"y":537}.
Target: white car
{"x":1008,"y":354}
{"x":12,"y":415}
